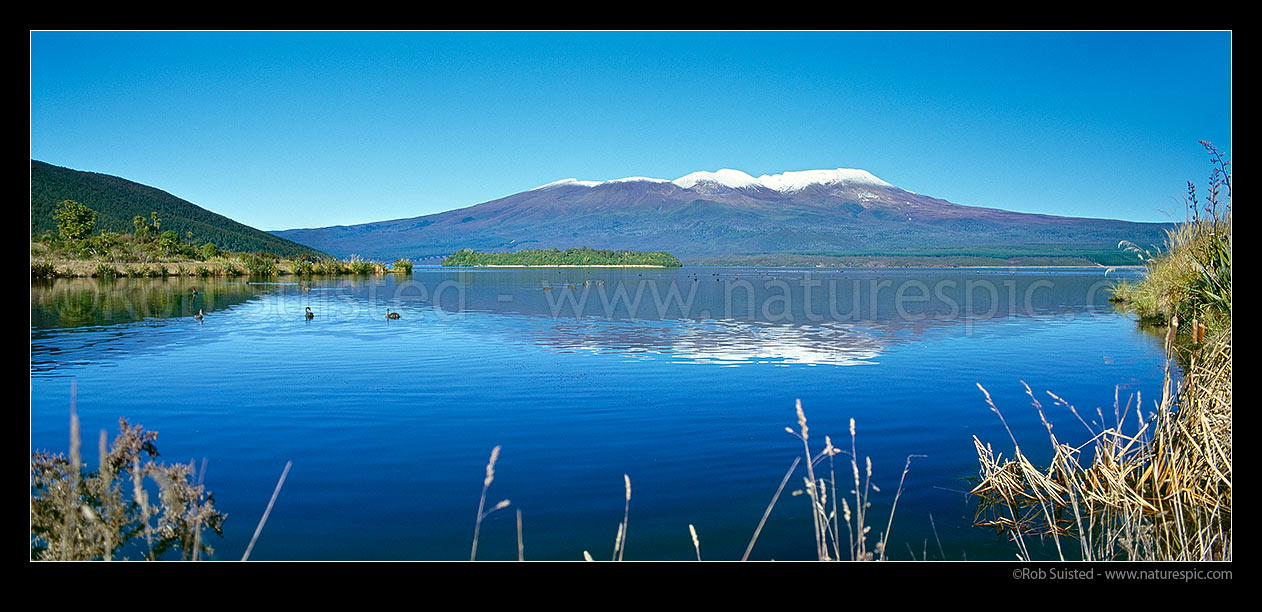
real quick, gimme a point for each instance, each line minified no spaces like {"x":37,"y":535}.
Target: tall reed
{"x":1162,"y":492}
{"x":267,"y":512}
{"x":1161,"y":489}
{"x":825,"y":517}
{"x":482,"y":513}
{"x":620,"y":542}
{"x":823,"y":493}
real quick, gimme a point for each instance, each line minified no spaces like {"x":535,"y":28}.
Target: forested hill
{"x":117,"y":201}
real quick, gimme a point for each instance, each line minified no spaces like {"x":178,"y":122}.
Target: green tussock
{"x":402,"y":266}
{"x":1158,"y":488}
{"x":360,"y":266}
{"x":1188,"y":280}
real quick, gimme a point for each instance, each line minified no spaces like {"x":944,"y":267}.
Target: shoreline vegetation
{"x":145,"y":252}
{"x":224,"y":265}
{"x":556,"y":258}
{"x":565,"y":266}
{"x":1158,"y":488}
{"x":1155,"y":488}
{"x":926,"y":260}
{"x":81,"y":514}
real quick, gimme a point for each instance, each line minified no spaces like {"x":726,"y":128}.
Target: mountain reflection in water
{"x":724,"y":316}
{"x":683,"y":379}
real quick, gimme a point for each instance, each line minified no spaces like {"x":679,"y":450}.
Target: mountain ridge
{"x":706,"y":215}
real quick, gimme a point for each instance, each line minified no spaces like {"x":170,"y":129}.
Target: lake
{"x":682,"y":379}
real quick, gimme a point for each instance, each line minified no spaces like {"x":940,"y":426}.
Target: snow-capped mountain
{"x":709,"y":215}
{"x":735,"y":179}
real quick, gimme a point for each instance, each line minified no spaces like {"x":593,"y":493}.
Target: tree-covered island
{"x":568,"y":257}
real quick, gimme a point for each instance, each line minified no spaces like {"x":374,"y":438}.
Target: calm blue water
{"x":687,"y":390}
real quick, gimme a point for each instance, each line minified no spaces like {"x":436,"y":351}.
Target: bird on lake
{"x":199,"y":315}
{"x":391,"y":315}
{"x":194,"y":292}
{"x":310,"y":315}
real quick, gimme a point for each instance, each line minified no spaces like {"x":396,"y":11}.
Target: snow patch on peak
{"x":726,"y":177}
{"x":565,"y":182}
{"x":635,"y":179}
{"x":784,"y":182}
{"x":794,"y":181}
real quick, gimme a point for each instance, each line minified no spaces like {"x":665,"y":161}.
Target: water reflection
{"x":85,"y":302}
{"x":767,"y":295}
{"x":736,"y":316}
{"x":83,"y":320}
{"x":723,"y":316}
{"x":664,"y":389}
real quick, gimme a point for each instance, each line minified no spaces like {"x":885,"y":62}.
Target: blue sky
{"x":305,"y":129}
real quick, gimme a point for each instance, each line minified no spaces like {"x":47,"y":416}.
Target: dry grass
{"x":823,"y":494}
{"x":620,"y":543}
{"x":82,"y":515}
{"x":1162,"y":492}
{"x":266,"y":513}
{"x":1156,"y":489}
{"x":78,"y":514}
{"x":482,"y":512}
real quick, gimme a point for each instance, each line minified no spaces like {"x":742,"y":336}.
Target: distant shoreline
{"x":583,"y":257}
{"x":740,"y":266}
{"x":557,"y":266}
